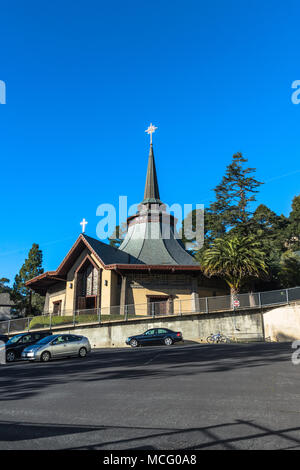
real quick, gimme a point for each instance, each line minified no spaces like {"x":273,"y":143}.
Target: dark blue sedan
{"x":155,"y":336}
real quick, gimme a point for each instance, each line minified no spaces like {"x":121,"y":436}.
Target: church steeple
{"x":152,"y":237}
{"x":151,"y":193}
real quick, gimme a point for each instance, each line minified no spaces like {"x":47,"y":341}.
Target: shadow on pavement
{"x":237,"y":434}
{"x":23,"y":380}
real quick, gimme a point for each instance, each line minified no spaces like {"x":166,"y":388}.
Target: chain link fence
{"x":170,"y":307}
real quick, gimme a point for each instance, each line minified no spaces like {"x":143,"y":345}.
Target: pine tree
{"x":117,"y":237}
{"x":233,"y":196}
{"x":289,"y":269}
{"x":213,"y":228}
{"x":3,"y":287}
{"x":293,"y":230}
{"x":270,"y":229}
{"x":28,"y":302}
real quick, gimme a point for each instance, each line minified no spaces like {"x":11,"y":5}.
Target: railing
{"x":177,"y":307}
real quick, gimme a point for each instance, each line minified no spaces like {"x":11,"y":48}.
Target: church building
{"x":147,"y":274}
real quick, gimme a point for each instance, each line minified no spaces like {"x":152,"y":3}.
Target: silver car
{"x":55,"y":346}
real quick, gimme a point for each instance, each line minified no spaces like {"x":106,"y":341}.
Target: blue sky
{"x":85,"y":78}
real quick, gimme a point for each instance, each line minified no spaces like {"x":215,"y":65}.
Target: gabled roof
{"x":108,"y":256}
{"x":105,"y":254}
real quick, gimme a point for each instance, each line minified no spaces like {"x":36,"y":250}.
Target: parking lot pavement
{"x":236,"y":396}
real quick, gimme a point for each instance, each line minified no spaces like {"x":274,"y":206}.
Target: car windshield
{"x":45,"y":340}
{"x":14,"y":339}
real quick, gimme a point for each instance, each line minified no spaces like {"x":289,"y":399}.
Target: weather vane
{"x":150,"y":131}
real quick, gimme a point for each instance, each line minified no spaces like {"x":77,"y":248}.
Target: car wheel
{"x":133,"y":343}
{"x":82,"y":352}
{"x":168,"y":341}
{"x":10,"y":356}
{"x":45,"y":357}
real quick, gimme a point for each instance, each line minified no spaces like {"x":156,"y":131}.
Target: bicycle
{"x":217,"y":338}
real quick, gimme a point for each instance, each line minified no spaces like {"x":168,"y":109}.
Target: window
{"x":71,"y":338}
{"x":59,"y":340}
{"x":149,"y":332}
{"x":88,"y":281}
{"x":15,"y":339}
{"x":75,"y":338}
{"x":160,"y":331}
{"x":57,"y":307}
{"x":26,"y":339}
{"x":37,"y":336}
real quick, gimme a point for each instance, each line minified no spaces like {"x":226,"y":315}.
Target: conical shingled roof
{"x":152,"y":236}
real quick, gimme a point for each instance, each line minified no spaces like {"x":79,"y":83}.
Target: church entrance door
{"x":87,"y":303}
{"x":87,"y":287}
{"x":158,"y":305}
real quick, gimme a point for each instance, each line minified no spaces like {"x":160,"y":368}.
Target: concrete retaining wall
{"x":246,"y":325}
{"x":283,"y":323}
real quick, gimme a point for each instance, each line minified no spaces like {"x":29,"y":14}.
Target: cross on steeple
{"x":83,"y":224}
{"x":150,"y":131}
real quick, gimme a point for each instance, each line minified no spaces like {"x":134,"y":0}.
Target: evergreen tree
{"x":194,"y":221}
{"x":3,"y":287}
{"x":117,"y":237}
{"x":289,"y":269}
{"x":233,"y":196}
{"x":28,"y":302}
{"x":269,"y":229}
{"x":213,"y":227}
{"x":293,"y":230}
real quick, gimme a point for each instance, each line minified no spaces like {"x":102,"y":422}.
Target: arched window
{"x":87,"y":290}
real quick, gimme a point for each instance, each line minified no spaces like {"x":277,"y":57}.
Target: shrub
{"x":43,"y":321}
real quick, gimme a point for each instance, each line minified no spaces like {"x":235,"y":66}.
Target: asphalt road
{"x":179,"y":397}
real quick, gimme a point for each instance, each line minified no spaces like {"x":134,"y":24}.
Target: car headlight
{"x":30,"y":354}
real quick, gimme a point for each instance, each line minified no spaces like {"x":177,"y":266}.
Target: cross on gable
{"x":83,"y":223}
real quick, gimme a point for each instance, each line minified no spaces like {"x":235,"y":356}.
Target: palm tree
{"x":236,"y":260}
